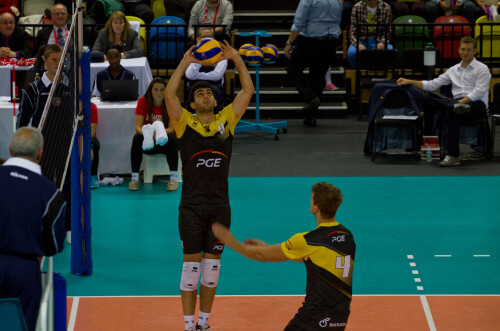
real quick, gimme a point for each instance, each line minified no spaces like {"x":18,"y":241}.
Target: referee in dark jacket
{"x":31,"y":222}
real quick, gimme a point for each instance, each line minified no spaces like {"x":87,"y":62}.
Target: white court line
{"x":428,"y":314}
{"x":477,"y":255}
{"x":413,"y":264}
{"x":418,"y":280}
{"x":72,"y":316}
{"x":410,"y":257}
{"x":415,"y":272}
{"x":442,"y":255}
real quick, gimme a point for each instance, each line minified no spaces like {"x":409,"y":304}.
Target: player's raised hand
{"x":189,"y":56}
{"x":228,"y":53}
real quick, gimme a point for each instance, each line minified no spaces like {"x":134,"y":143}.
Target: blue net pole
{"x":81,"y":230}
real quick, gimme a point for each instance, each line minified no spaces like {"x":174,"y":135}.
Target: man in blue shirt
{"x":115,"y":71}
{"x":315,"y":48}
{"x":31,"y":222}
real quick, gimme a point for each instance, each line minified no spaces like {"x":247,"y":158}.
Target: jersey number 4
{"x":346,"y":266}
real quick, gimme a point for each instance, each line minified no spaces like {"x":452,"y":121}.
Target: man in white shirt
{"x":470,"y":81}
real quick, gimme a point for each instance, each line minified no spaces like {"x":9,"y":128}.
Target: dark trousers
{"x":95,"y":145}
{"x":170,"y":149}
{"x":21,"y":278}
{"x":139,"y":9}
{"x":317,"y":54}
{"x":444,"y":110}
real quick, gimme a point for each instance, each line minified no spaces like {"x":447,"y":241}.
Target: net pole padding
{"x":81,"y":230}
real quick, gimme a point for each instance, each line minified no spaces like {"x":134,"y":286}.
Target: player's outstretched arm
{"x":172,"y":102}
{"x":243,"y":98}
{"x":261,"y":251}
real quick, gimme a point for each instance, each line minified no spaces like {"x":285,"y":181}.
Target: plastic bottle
{"x":428,"y":153}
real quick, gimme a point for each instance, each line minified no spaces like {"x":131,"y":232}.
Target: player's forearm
{"x":175,"y":80}
{"x":245,"y":79}
{"x":250,"y":251}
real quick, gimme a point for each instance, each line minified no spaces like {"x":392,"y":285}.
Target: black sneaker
{"x":312,"y":105}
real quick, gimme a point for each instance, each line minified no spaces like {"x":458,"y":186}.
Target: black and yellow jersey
{"x":205,"y":154}
{"x":328,"y":254}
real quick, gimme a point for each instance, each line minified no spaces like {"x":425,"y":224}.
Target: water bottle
{"x":428,"y":153}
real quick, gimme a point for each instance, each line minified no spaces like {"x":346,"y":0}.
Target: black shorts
{"x":195,"y":227}
{"x":318,"y":321}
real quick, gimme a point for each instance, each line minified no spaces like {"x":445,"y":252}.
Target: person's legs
{"x":434,"y":110}
{"x":432,"y":11}
{"x":471,"y":11}
{"x":478,"y":110}
{"x":96,"y":146}
{"x":191,"y":231}
{"x":295,"y":69}
{"x":212,"y":251}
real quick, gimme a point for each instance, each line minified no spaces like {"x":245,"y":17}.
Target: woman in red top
{"x":154,"y":133}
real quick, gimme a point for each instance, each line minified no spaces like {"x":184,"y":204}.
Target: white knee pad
{"x":190,"y":276}
{"x":210,"y":272}
{"x":160,"y":133}
{"x":147,"y":133}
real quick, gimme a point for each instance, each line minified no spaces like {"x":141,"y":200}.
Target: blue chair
{"x":167,"y":43}
{"x":11,"y":315}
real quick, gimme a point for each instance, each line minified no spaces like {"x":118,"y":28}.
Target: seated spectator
{"x":58,"y":33}
{"x":89,"y":27}
{"x":151,"y":137}
{"x":179,"y":8}
{"x":139,"y":8}
{"x":470,"y":81}
{"x":115,"y":71}
{"x":212,"y":12}
{"x":118,"y":34}
{"x":95,"y":146}
{"x":402,"y":7}
{"x":213,"y":74}
{"x":438,"y":8}
{"x":14,"y":41}
{"x":477,"y":8}
{"x":101,"y":10}
{"x":371,"y":37}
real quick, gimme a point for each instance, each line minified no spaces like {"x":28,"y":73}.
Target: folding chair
{"x":487,"y":36}
{"x":406,"y":36}
{"x":447,"y":36}
{"x":11,"y":315}
{"x":167,"y":43}
{"x":374,"y":66}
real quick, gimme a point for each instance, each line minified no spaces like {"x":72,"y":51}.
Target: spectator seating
{"x":410,"y":36}
{"x":167,"y":43}
{"x":138,"y":25}
{"x":495,"y":115}
{"x":487,"y":39}
{"x":158,"y":8}
{"x":447,"y":38}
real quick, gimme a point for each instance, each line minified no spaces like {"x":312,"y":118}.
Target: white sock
{"x":160,"y":133}
{"x":148,"y":132}
{"x":188,"y":321}
{"x":328,"y":77}
{"x":203,"y":318}
{"x":135,"y":175}
{"x":173,"y":175}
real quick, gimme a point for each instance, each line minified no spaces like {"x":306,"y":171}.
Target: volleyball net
{"x":65,"y":125}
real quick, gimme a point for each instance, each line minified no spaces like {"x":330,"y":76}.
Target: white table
{"x":5,"y":79}
{"x":6,"y":125}
{"x":139,"y":66}
{"x":115,"y":131}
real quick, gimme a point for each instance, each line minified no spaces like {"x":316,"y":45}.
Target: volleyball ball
{"x":243,"y":51}
{"x":254,"y":55}
{"x":208,"y":51}
{"x":270,"y":53}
